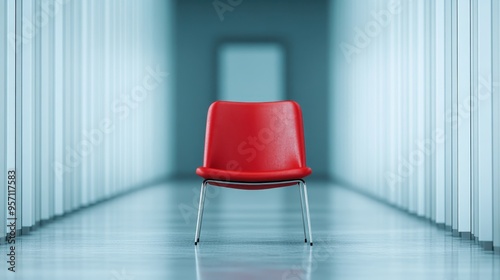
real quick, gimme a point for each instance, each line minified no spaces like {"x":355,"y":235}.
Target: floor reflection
{"x":229,"y":267}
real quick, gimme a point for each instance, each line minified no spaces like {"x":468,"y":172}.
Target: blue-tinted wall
{"x":85,"y":102}
{"x":415,"y":101}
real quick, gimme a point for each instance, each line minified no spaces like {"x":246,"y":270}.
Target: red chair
{"x":254,"y":146}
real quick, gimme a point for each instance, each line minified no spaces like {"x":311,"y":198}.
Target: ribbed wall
{"x":85,"y":102}
{"x":415,"y":110}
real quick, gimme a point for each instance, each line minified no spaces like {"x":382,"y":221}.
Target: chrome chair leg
{"x":202,"y":209}
{"x":307,"y":213}
{"x":302,"y":211}
{"x":304,"y":205}
{"x":200,"y":213}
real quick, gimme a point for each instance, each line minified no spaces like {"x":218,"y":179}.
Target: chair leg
{"x":302,"y":211}
{"x":307,"y":214}
{"x":200,"y":213}
{"x":202,"y":209}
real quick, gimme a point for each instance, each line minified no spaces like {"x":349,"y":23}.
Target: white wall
{"x":92,"y":101}
{"x":413,"y":109}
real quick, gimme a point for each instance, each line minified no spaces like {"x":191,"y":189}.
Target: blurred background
{"x":106,"y":101}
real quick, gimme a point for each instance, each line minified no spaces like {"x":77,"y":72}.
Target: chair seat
{"x":253,"y":177}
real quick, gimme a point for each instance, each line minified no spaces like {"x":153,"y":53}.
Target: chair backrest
{"x":254,"y":136}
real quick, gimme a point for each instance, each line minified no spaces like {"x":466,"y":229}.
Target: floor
{"x":149,"y":234}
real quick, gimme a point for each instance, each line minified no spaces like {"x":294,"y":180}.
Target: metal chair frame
{"x":303,"y":200}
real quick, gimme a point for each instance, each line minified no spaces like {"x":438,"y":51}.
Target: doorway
{"x":251,"y":72}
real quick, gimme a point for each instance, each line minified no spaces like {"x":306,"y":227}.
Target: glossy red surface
{"x":254,"y":142}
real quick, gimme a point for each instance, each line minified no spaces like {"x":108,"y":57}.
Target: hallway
{"x":390,"y":109}
{"x":246,"y":235}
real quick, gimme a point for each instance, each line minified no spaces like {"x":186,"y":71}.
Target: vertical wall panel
{"x":424,"y":104}
{"x":386,"y":61}
{"x":97,"y":19}
{"x":14,"y":115}
{"x":77,"y":96}
{"x":401,"y":113}
{"x":67,"y":101}
{"x":18,"y":112}
{"x":448,"y":116}
{"x":426,"y":117}
{"x":485,"y":125}
{"x":27,"y":122}
{"x":406,"y":170}
{"x":24,"y":103}
{"x":58,"y":166}
{"x":413,"y":178}
{"x":430,"y":145}
{"x":464,"y":116}
{"x":440,"y":109}
{"x":45,"y":125}
{"x":38,"y":21}
{"x":400,"y":101}
{"x":85,"y":106}
{"x":51,"y":104}
{"x":107,"y":142}
{"x":495,"y":16}
{"x":454,"y":114}
{"x":420,"y":106}
{"x":474,"y":164}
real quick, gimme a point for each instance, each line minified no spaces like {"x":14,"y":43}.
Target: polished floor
{"x":149,"y":234}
